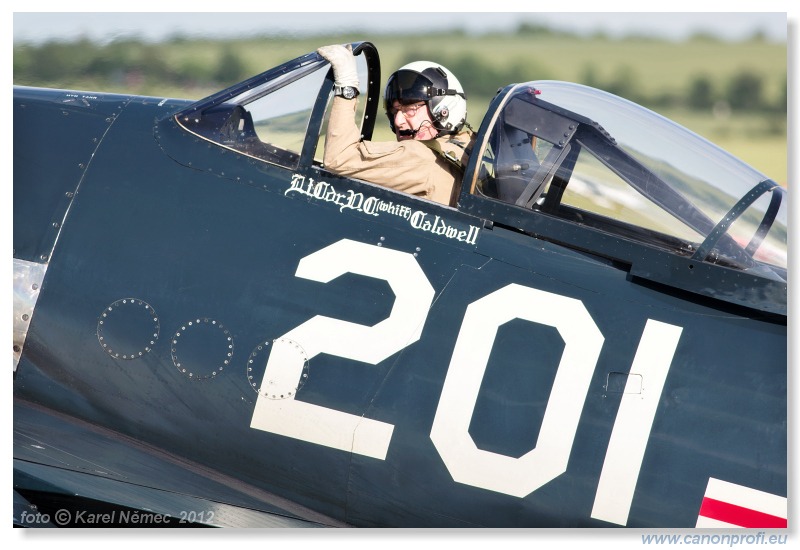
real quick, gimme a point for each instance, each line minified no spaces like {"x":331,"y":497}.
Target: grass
{"x":752,"y":138}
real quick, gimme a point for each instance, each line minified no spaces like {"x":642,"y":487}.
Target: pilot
{"x":427,"y":110}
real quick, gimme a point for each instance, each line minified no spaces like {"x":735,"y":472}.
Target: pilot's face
{"x":415,"y":116}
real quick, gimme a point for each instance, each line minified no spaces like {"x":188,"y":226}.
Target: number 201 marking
{"x":450,"y":431}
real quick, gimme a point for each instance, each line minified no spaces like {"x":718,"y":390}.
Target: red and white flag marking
{"x":729,"y":505}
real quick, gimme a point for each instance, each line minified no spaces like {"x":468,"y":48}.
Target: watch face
{"x":349,"y":92}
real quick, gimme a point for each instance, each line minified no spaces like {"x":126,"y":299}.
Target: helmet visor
{"x":409,"y":85}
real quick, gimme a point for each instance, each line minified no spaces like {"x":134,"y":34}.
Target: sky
{"x":160,"y":23}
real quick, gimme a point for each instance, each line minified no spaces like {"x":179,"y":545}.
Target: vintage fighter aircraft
{"x":212,"y":329}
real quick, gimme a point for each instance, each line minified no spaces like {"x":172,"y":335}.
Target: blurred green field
{"x":657,"y":65}
{"x":643,"y":70}
{"x":746,"y":137}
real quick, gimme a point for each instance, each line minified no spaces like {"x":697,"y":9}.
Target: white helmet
{"x":434,"y":84}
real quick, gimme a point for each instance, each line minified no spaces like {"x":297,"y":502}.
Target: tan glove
{"x":341,"y":58}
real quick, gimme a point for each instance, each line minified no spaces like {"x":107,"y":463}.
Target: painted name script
{"x":374,"y":206}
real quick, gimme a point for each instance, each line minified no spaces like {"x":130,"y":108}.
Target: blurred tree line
{"x":139,"y":67}
{"x":122,"y":62}
{"x":743,"y":92}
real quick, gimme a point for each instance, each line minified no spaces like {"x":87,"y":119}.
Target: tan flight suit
{"x":410,"y":165}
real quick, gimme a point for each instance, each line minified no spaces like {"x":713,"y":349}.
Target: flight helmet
{"x":434,"y":84}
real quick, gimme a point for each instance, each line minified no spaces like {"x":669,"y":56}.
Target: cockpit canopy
{"x":565,"y":150}
{"x":580,"y":153}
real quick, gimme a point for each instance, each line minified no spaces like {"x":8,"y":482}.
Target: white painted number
{"x":450,"y":433}
{"x":278,"y":412}
{"x":321,"y":425}
{"x":634,"y":421}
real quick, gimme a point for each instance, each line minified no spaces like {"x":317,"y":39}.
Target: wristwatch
{"x":347,"y":92}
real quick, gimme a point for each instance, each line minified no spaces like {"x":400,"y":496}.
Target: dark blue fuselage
{"x":122,"y":204}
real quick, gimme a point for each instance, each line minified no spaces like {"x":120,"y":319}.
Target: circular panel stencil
{"x":202,"y":348}
{"x":276,"y":386}
{"x":128,"y":328}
